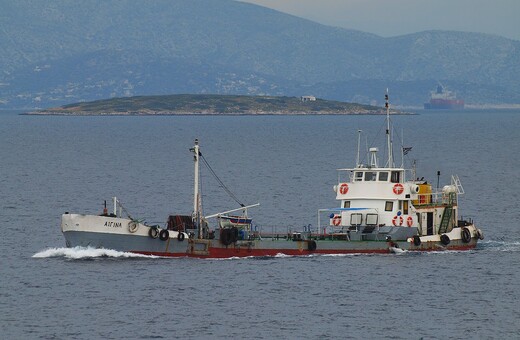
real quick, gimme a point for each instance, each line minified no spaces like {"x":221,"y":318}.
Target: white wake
{"x":501,"y":245}
{"x":86,"y":253}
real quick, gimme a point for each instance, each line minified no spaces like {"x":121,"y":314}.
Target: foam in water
{"x":280,"y":255}
{"x":86,"y":253}
{"x":501,"y":245}
{"x":339,"y":255}
{"x":396,"y":250}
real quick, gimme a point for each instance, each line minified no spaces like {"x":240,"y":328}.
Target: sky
{"x":397,"y":17}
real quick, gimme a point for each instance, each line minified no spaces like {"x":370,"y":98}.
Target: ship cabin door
{"x":429,"y":223}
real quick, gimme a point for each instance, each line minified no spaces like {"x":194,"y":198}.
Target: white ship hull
{"x":114,"y":233}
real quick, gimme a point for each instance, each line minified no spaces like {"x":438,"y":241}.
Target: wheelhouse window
{"x":389,"y":206}
{"x":346,"y":204}
{"x":396,"y":177}
{"x":383,"y":176}
{"x":370,"y":176}
{"x":358,"y":176}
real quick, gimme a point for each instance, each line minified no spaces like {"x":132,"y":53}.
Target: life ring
{"x":311,"y":245}
{"x":343,"y":188}
{"x":180,"y":237}
{"x":133,"y":226}
{"x":153,"y":232}
{"x":465,"y":235}
{"x":397,"y":220}
{"x":398,"y":189}
{"x":480,"y":234}
{"x":409,"y":221}
{"x":164,"y":235}
{"x":336,"y":220}
{"x":445,"y":239}
{"x":416,"y":240}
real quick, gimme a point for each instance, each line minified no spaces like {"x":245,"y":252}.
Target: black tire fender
{"x":225,"y":237}
{"x":465,"y":235}
{"x":234,"y":234}
{"x":153,"y":232}
{"x":164,"y":235}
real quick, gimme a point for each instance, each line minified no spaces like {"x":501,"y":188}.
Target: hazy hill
{"x":57,"y":52}
{"x":193,"y":104}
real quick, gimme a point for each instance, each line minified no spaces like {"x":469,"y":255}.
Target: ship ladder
{"x":445,"y":222}
{"x":455,"y":180}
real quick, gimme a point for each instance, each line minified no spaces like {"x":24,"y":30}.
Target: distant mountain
{"x":63,"y":51}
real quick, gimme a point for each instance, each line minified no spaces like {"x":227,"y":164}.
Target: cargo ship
{"x":381,"y":209}
{"x":442,"y":99}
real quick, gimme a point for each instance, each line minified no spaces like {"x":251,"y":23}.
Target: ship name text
{"x":113,"y":224}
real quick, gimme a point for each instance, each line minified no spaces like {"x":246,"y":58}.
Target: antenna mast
{"x":196,"y":198}
{"x":388,"y":136}
{"x":402,"y":149}
{"x":358,"y":142}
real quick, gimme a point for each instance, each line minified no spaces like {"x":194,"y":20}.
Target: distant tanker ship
{"x":442,"y":99}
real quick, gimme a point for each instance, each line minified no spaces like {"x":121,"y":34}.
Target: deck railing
{"x":435,"y":199}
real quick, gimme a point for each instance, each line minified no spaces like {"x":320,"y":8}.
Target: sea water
{"x":50,"y":165}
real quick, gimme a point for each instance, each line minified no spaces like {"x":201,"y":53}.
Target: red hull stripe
{"x":220,"y":253}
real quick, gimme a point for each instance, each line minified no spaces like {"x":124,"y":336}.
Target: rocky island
{"x":210,"y":104}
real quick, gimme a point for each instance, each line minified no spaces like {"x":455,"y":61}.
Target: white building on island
{"x":308,"y":98}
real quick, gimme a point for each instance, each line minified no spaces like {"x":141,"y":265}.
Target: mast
{"x":358,"y":142}
{"x":388,"y":136}
{"x":402,"y":148}
{"x":196,"y":212}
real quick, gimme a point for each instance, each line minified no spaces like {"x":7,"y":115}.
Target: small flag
{"x":406,"y":150}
